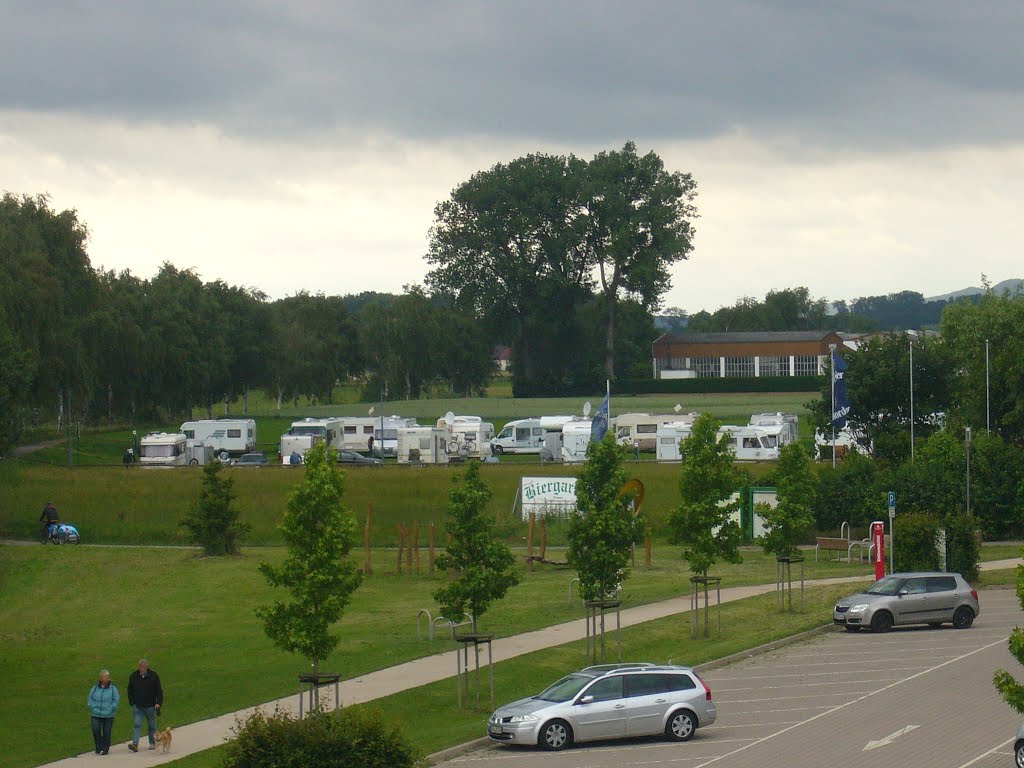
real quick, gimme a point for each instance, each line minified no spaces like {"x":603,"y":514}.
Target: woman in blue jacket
{"x":103,"y":700}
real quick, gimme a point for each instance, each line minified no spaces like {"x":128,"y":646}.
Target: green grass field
{"x":84,"y":608}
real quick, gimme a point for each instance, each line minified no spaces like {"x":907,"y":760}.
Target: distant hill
{"x":1012,"y":285}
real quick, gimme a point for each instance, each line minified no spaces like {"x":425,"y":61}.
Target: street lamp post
{"x":968,"y":433}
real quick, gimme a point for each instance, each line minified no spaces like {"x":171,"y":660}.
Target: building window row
{"x":746,"y":367}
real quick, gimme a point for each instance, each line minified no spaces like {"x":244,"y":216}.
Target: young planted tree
{"x":483,"y":567}
{"x":792,"y":519}
{"x":212,"y":522}
{"x":702,"y":523}
{"x":603,"y":529}
{"x":319,"y":532}
{"x":1007,"y":685}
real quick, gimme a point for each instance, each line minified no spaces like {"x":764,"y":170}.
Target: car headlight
{"x":522,"y":718}
{"x":859,"y":608}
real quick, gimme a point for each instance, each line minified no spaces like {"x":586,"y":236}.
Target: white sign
{"x":548,"y":496}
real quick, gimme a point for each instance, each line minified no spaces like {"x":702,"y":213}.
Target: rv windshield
{"x":505,"y":433}
{"x":769,"y":442}
{"x":310,"y":430}
{"x":623,"y":432}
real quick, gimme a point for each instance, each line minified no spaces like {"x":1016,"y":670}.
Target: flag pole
{"x":911,"y":398}
{"x":988,"y":425}
{"x":832,"y":414}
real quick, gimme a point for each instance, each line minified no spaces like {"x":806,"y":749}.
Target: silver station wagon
{"x":608,"y":702}
{"x":910,"y":598}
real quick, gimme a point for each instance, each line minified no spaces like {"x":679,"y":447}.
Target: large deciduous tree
{"x":792,"y":519}
{"x":319,"y":532}
{"x":638,"y":224}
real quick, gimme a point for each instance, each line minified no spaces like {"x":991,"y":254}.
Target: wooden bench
{"x":828,"y":544}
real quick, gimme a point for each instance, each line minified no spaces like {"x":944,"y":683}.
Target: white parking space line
{"x":712,"y":680}
{"x":992,"y":751}
{"x":790,"y":686}
{"x":855,"y":701}
{"x":803,"y":696}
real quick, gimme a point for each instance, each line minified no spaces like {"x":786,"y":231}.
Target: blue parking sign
{"x":892,"y":499}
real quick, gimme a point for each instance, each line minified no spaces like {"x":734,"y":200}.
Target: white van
{"x":305,"y":433}
{"x":751,"y":443}
{"x":669,"y":437}
{"x":640,"y":430}
{"x":163,"y":449}
{"x":788,"y":424}
{"x":551,"y":446}
{"x":422,"y":445}
{"x":519,"y":436}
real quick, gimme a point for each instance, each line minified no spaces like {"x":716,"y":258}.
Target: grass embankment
{"x":66,"y":612}
{"x":144,"y":506}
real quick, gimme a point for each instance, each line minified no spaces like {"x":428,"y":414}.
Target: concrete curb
{"x":485,"y":743}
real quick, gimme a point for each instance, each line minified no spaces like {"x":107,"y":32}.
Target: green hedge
{"x":690,"y":386}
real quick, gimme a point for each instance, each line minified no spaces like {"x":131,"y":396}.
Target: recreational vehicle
{"x":789,"y":424}
{"x":467,"y":436}
{"x":386,"y":439}
{"x":551,"y":426}
{"x":304,"y":434}
{"x":575,"y":439}
{"x":669,"y":437}
{"x":520,"y":436}
{"x":751,"y":443}
{"x":227,"y":437}
{"x":422,"y":445}
{"x":640,"y":430}
{"x":163,"y":449}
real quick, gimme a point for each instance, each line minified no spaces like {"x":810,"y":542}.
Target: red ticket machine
{"x":878,"y":539}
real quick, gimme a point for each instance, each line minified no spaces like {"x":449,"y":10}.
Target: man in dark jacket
{"x":145,"y":695}
{"x":47,"y":518}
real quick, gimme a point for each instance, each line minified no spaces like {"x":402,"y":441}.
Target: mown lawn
{"x":66,"y":612}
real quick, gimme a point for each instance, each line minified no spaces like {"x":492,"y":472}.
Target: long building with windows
{"x":754,"y":354}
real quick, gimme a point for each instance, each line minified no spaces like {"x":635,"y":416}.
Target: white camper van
{"x":304,"y":434}
{"x":356,"y":432}
{"x":467,"y":436}
{"x":163,"y":449}
{"x":519,"y":436}
{"x":751,"y":443}
{"x":788,"y":425}
{"x":575,"y":439}
{"x":227,"y":437}
{"x":669,"y":437}
{"x":551,"y":426}
{"x":422,"y":445}
{"x":386,"y":440}
{"x":641,"y":429}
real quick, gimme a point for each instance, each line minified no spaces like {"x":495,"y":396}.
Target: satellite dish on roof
{"x":586,"y":408}
{"x":449,"y":418}
{"x":678,"y":408}
{"x":371,"y":410}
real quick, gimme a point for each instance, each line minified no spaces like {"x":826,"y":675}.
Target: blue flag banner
{"x":840,"y":400}
{"x":599,"y":425}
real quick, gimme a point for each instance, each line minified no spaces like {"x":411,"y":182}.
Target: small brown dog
{"x":163,"y":738}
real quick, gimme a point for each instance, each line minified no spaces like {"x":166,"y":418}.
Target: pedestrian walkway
{"x":205,"y":734}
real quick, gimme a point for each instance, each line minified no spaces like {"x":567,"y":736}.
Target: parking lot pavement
{"x":912,"y":697}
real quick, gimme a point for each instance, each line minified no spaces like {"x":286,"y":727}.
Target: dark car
{"x":251,"y":460}
{"x":351,"y":457}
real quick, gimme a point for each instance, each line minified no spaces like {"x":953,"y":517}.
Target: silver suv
{"x":607,"y":702}
{"x":910,"y":598}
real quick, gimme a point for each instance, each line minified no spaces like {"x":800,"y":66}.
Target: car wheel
{"x":852,"y":629}
{"x":881,"y":622}
{"x":497,"y":450}
{"x":1018,"y":754}
{"x":223,"y":456}
{"x":963,"y":618}
{"x":194,"y":462}
{"x":681,"y":726}
{"x":556,"y":736}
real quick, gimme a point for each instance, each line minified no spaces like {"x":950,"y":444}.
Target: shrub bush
{"x":917,"y":536}
{"x":963,"y":549}
{"x":355,"y":736}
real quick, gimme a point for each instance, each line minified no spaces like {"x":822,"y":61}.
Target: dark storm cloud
{"x":907,"y":73}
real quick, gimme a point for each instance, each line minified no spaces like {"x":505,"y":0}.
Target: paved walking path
{"x":213,"y":732}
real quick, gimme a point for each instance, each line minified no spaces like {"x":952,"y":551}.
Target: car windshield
{"x":565,"y":689}
{"x":890,"y":585}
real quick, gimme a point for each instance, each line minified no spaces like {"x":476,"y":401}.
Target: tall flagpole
{"x":988,"y":426}
{"x":608,"y":397}
{"x":832,"y":415}
{"x":911,"y":399}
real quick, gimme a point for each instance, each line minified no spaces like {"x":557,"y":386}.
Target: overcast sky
{"x":855,"y":148}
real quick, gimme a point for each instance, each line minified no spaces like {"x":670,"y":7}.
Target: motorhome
{"x":304,"y":434}
{"x":386,"y":439}
{"x":846,"y":441}
{"x":751,"y":443}
{"x":575,"y":439}
{"x":788,"y":422}
{"x":163,"y":449}
{"x":551,"y":446}
{"x":519,"y":436}
{"x":467,"y":436}
{"x":640,"y":430}
{"x":227,"y":437}
{"x":669,"y":436}
{"x":356,"y":432}
{"x":422,"y":445}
